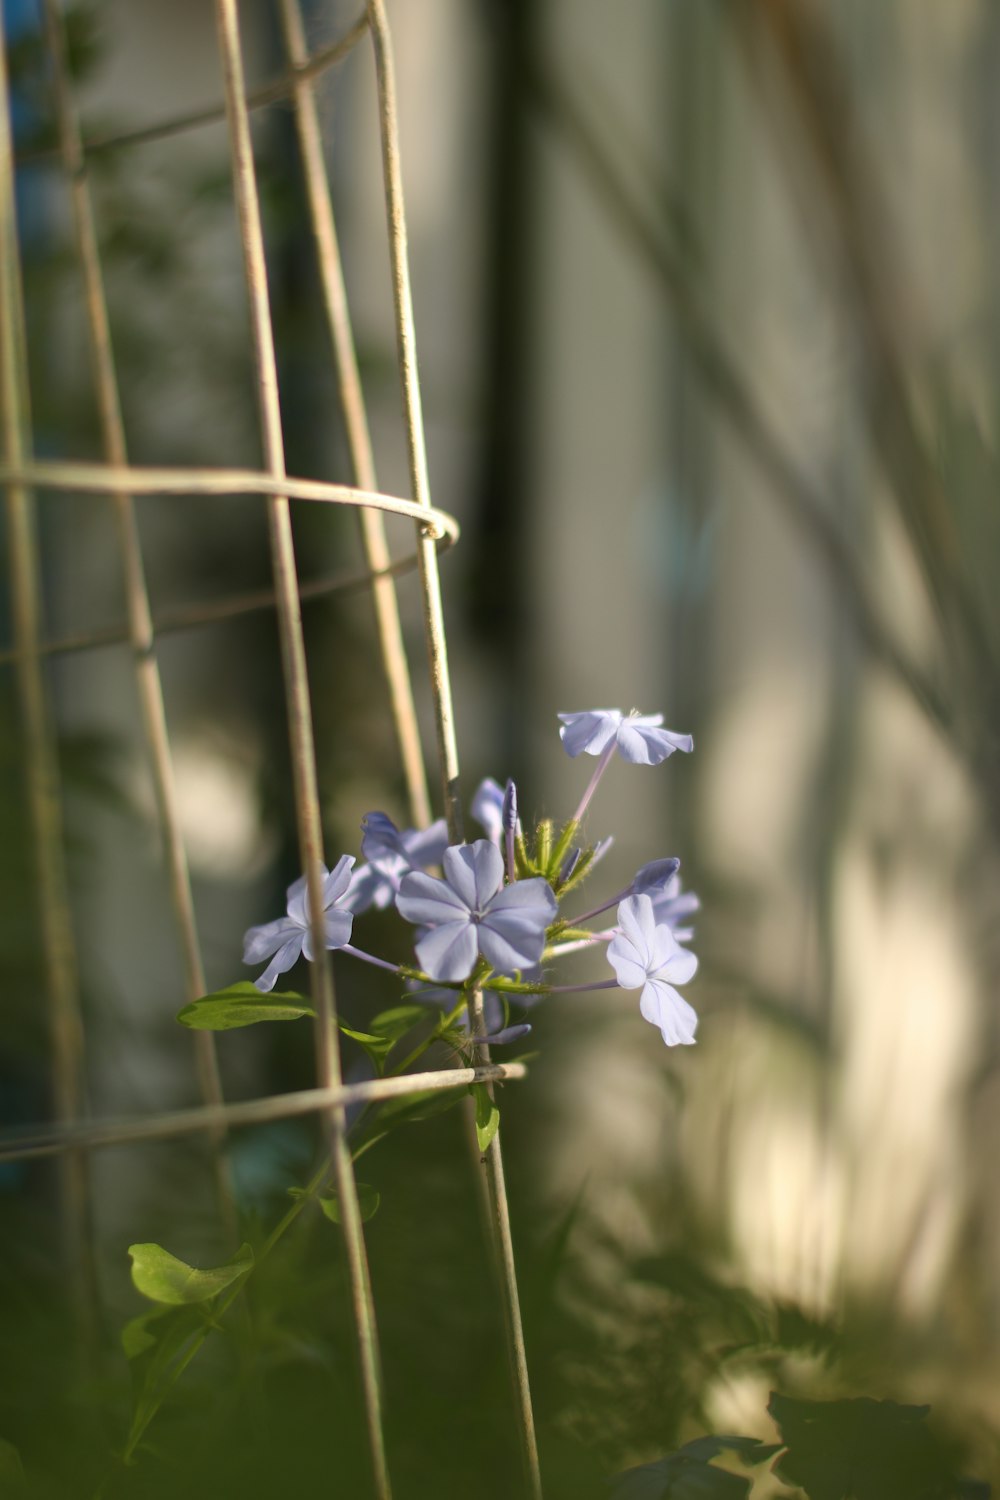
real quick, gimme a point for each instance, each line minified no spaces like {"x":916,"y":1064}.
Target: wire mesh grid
{"x":73,"y":1135}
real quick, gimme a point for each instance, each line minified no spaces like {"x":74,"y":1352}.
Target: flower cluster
{"x":491,"y":921}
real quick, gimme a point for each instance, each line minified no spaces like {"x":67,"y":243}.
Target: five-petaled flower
{"x":638,"y":738}
{"x":472,"y":912}
{"x":391,"y":853}
{"x":291,"y":935}
{"x":646,"y":953}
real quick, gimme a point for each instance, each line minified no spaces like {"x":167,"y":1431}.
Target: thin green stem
{"x":298,"y":1203}
{"x":440,"y":1028}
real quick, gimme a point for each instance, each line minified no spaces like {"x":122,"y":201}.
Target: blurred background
{"x":707,"y":318}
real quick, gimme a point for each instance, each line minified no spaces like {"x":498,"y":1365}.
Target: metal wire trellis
{"x":73,"y":1135}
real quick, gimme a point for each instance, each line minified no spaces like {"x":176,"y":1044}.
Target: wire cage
{"x":73,"y":1136}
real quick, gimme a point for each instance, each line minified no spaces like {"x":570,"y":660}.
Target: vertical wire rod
{"x":140,"y":625}
{"x":498,"y":1210}
{"x":352,"y":401}
{"x":42,"y":769}
{"x":437,"y":648}
{"x":300,"y":723}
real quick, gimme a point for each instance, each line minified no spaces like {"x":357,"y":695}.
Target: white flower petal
{"x":339,"y":878}
{"x":681,"y":966}
{"x":298,"y":896}
{"x":284,"y":959}
{"x":630,"y":972}
{"x":638,"y":925}
{"x":664,"y":1007}
{"x":645,"y":745}
{"x":366,"y":887}
{"x":260,"y":942}
{"x":337,"y":926}
{"x":588,"y":733}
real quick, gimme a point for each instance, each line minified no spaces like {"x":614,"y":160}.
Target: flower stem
{"x":574,"y":989}
{"x":599,"y":771}
{"x":369,"y":958}
{"x":605,"y":906}
{"x":440,"y":1028}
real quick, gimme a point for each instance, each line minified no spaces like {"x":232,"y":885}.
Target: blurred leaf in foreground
{"x":689,"y":1474}
{"x":866,"y":1450}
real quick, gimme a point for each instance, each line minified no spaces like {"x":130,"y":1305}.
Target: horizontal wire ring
{"x":249,"y":1112}
{"x":102,"y":480}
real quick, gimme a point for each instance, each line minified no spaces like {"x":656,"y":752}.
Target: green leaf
{"x":368,"y":1201}
{"x":377,"y":1047}
{"x":387,"y":1029}
{"x":242,"y":1005}
{"x":138,"y":1335}
{"x":487,"y":1116}
{"x":12,"y":1477}
{"x":395,"y":1023}
{"x":163,"y":1278}
{"x":156,"y":1344}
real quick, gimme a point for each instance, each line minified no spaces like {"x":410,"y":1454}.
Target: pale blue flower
{"x":646,"y":953}
{"x":472,"y":912}
{"x":487,"y":808}
{"x":291,"y":935}
{"x":675,"y":908}
{"x":652,"y":880}
{"x":655,"y":877}
{"x":391,"y":854}
{"x":638,"y":738}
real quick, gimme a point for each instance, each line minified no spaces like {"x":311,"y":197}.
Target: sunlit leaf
{"x":487,"y":1116}
{"x":161,"y":1277}
{"x":242,"y":1005}
{"x":368,"y":1201}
